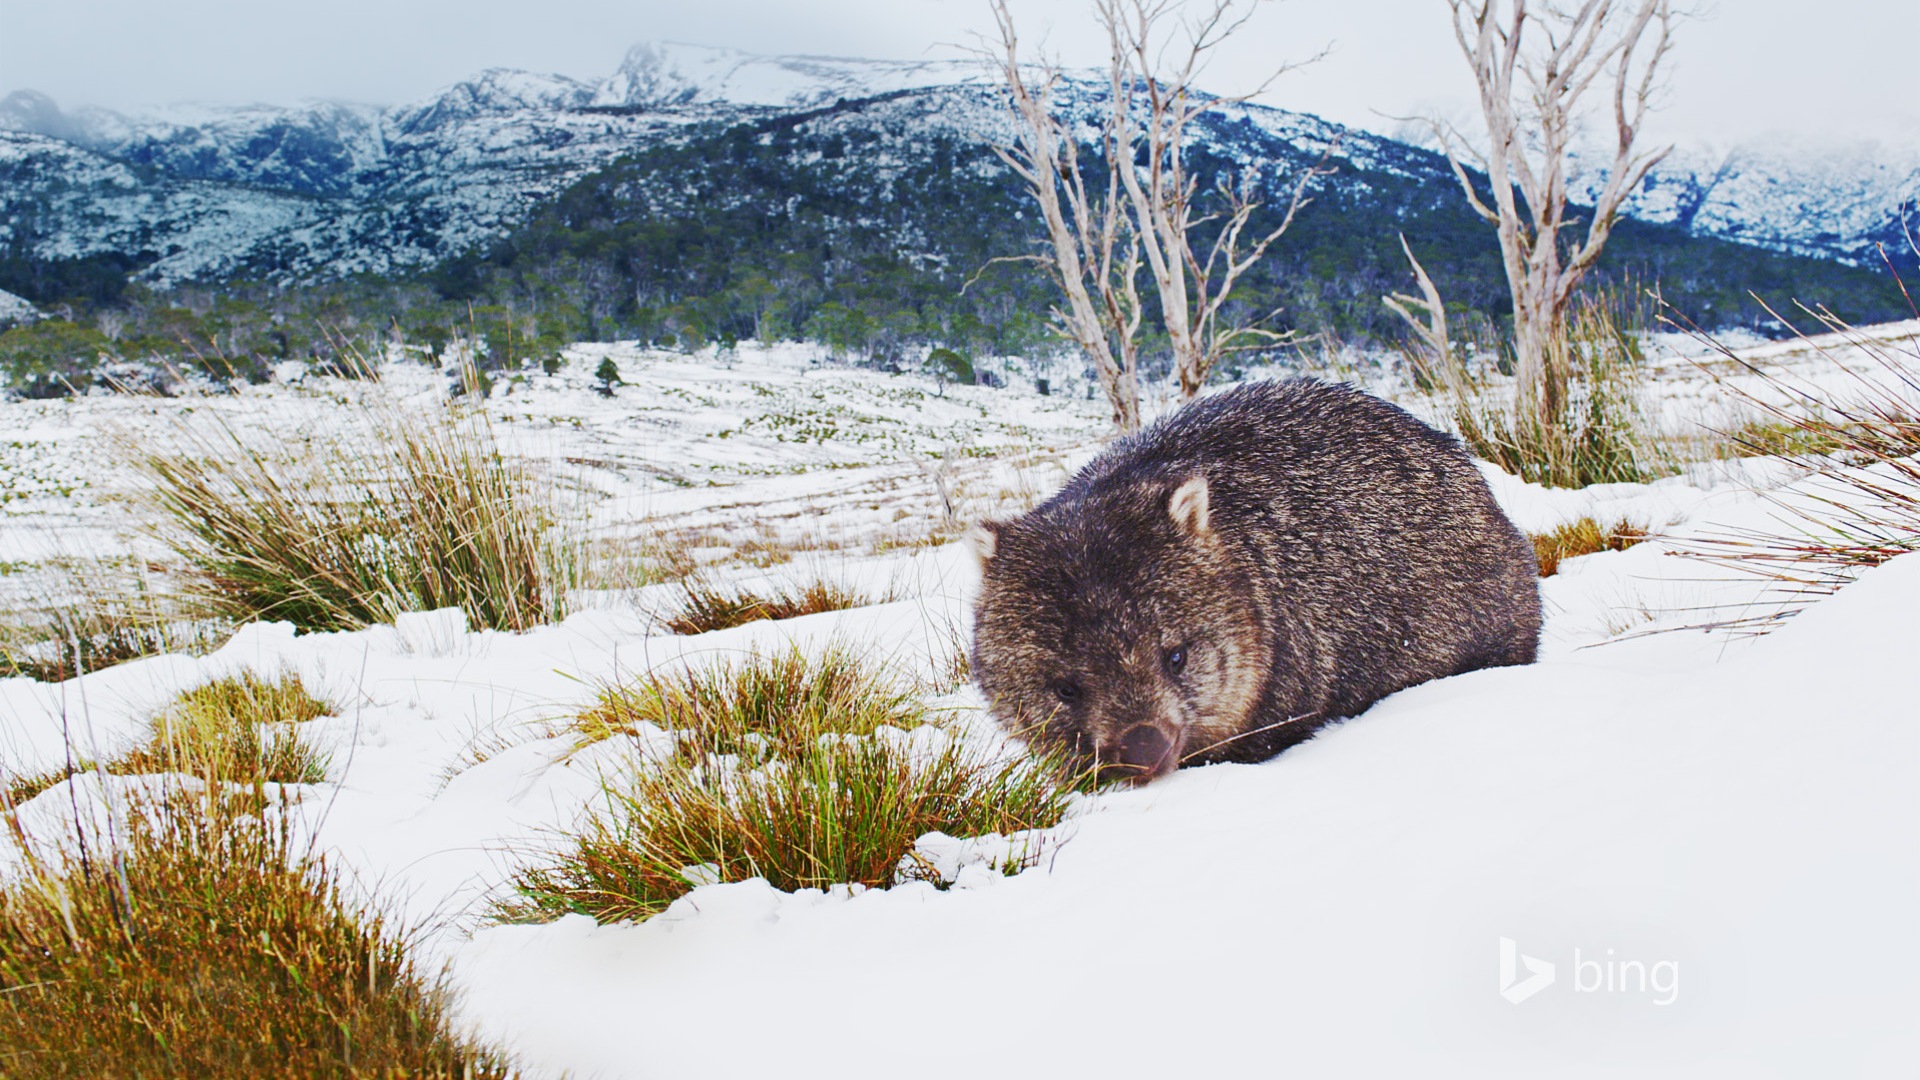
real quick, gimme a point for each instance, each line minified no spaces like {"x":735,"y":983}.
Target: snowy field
{"x":1711,"y":842}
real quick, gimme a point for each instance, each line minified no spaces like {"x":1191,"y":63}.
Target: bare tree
{"x":1147,"y":210}
{"x":1434,"y":339}
{"x":1093,"y":259}
{"x":1534,"y":65}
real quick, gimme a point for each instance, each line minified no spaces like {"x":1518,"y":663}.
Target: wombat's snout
{"x":1142,"y":753}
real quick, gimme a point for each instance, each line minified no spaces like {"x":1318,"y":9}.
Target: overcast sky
{"x":1746,"y":68}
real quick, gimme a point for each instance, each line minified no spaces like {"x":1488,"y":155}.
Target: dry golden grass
{"x":209,"y":947}
{"x":706,"y":606}
{"x":1583,"y":537}
{"x":235,"y":730}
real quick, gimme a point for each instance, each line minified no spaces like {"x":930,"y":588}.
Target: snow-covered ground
{"x":1714,"y":842}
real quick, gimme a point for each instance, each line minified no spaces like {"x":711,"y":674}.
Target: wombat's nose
{"x":1144,"y":751}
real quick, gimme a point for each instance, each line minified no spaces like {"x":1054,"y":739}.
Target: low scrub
{"x":805,"y":772}
{"x":1583,"y":537}
{"x":705,"y":606}
{"x":206,"y":944}
{"x":385,"y":510}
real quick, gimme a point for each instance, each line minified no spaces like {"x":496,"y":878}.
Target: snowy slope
{"x":1799,"y":196}
{"x":327,"y":189}
{"x":656,"y":75}
{"x":15,"y":310}
{"x":1741,"y":812}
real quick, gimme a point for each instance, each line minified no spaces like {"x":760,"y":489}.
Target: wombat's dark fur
{"x":1219,"y":585}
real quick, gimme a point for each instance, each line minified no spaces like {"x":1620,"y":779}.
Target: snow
{"x":13,"y":309}
{"x":1736,"y":816}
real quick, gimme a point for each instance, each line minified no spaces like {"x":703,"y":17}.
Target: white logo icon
{"x":1539,"y":973}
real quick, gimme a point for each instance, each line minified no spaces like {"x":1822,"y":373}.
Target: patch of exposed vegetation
{"x":806,"y":772}
{"x":1583,"y":537}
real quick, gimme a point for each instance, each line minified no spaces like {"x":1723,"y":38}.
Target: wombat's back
{"x":1380,"y":548}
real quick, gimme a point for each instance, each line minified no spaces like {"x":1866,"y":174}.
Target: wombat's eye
{"x":1175,"y":660}
{"x":1066,"y":690}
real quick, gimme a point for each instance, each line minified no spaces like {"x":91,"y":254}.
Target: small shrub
{"x":210,"y":948}
{"x":608,"y":375}
{"x":1583,"y":537}
{"x":414,"y":511}
{"x":705,"y":606}
{"x":807,"y":773}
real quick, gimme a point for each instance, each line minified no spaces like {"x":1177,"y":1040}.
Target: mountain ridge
{"x":328,"y":190}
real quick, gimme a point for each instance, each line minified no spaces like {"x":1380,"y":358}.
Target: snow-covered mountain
{"x":317,"y":190}
{"x":328,"y":190}
{"x":1799,"y":196}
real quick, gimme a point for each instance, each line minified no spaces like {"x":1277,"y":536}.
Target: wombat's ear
{"x":982,"y":539}
{"x":1188,"y":507}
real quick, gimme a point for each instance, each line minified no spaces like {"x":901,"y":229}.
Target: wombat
{"x":1219,"y":585}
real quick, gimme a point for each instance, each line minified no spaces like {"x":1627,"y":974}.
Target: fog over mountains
{"x":328,"y":190}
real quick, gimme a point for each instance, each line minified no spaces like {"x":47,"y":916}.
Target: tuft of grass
{"x":1864,"y":504}
{"x":805,"y":772}
{"x":705,"y":606}
{"x":760,"y":704}
{"x":24,"y":786}
{"x":385,"y":510}
{"x":234,"y":730}
{"x":1602,"y":435}
{"x":209,"y":946}
{"x":1583,"y":537}
{"x":85,"y":615}
{"x":1773,"y":437}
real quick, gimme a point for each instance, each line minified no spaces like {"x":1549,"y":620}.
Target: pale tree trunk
{"x":1091,"y":257}
{"x":1530,"y":99}
{"x":1433,"y":336}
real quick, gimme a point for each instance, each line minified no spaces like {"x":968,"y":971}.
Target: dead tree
{"x":1435,"y":342}
{"x":1094,"y":258}
{"x":1146,"y":212}
{"x":1534,"y":65}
